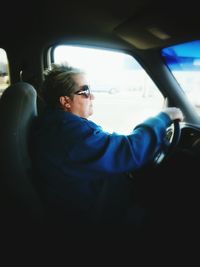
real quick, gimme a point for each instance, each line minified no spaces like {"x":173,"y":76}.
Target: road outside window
{"x":4,"y":76}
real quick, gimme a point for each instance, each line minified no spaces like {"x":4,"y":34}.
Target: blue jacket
{"x":82,"y":170}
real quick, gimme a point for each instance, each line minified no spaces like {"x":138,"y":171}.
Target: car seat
{"x":20,"y":203}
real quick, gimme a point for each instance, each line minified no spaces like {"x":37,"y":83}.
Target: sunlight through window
{"x":124,"y":94}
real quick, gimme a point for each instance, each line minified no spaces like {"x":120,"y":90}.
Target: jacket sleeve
{"x":113,"y":153}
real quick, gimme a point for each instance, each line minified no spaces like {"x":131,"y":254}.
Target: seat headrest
{"x":17,"y":111}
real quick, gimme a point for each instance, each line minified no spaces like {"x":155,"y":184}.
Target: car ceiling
{"x":143,"y":24}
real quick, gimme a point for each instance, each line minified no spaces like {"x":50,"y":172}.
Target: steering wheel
{"x":173,"y":134}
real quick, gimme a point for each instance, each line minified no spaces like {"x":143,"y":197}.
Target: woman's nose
{"x":92,"y":97}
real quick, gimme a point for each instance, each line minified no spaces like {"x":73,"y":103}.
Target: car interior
{"x":162,"y":38}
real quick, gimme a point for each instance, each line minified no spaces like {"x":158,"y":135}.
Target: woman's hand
{"x":174,"y":113}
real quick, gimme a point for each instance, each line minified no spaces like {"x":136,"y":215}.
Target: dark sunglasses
{"x":85,"y":91}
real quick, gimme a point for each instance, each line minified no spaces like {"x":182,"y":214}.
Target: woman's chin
{"x":91,"y":112}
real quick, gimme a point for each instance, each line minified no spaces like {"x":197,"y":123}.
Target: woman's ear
{"x":65,"y":102}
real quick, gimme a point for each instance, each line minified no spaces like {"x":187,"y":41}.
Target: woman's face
{"x":81,"y":104}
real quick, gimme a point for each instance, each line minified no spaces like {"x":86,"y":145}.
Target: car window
{"x":4,"y":74}
{"x":183,"y":60}
{"x":124,"y":93}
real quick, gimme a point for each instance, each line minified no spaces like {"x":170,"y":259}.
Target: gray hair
{"x":59,"y":82}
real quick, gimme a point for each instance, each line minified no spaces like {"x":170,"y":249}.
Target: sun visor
{"x":157,"y":29}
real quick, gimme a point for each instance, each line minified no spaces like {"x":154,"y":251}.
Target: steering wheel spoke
{"x":173,"y":134}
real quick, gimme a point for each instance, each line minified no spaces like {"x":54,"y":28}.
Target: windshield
{"x":184,"y":62}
